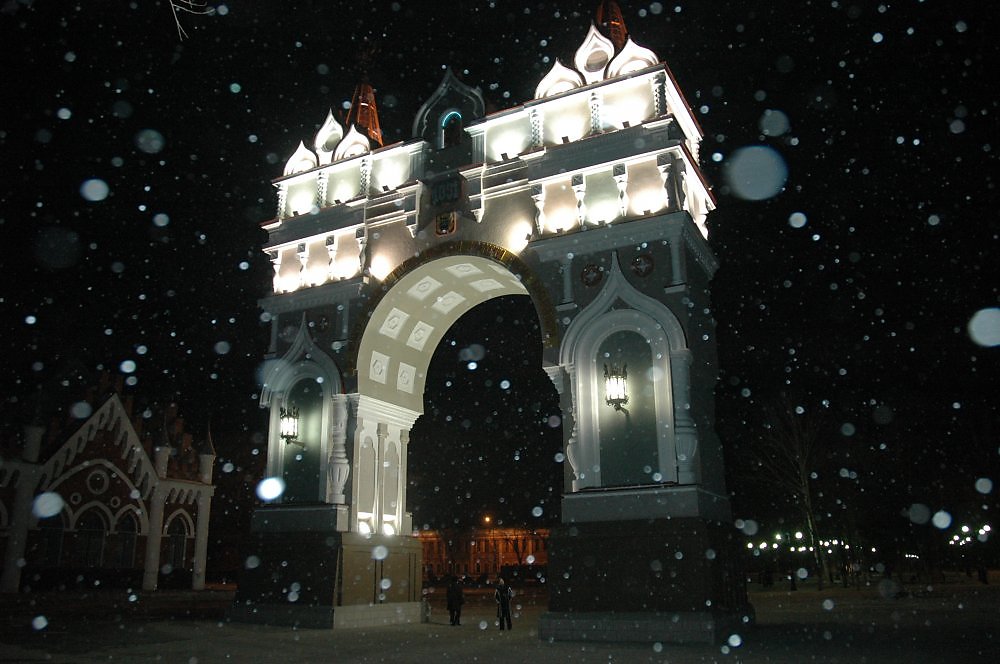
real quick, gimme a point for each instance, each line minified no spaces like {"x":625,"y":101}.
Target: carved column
{"x":620,"y":175}
{"x":596,"y":106}
{"x":382,"y":433}
{"x":276,"y":264}
{"x":658,"y":84}
{"x":573,"y":451}
{"x":302,"y":251}
{"x":664,"y":164}
{"x":201,"y":539}
{"x":17,"y":534}
{"x":321,"y":183}
{"x":154,"y":538}
{"x":331,"y":250}
{"x":366,"y":174}
{"x":538,"y":196}
{"x":566,"y":268}
{"x":685,"y":431}
{"x":362,"y":237}
{"x":537,"y":127}
{"x":679,"y":189}
{"x":282,"y":199}
{"x":403,"y":527}
{"x":338,"y":466}
{"x":579,"y":185}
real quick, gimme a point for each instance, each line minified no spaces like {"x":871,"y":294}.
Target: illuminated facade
{"x":105,"y":505}
{"x":589,"y":200}
{"x":483,"y":552}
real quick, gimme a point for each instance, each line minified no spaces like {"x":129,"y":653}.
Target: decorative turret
{"x":364,"y":113}
{"x":32,"y":442}
{"x":206,"y":459}
{"x":162,"y":457}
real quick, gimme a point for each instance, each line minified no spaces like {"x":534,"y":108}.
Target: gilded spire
{"x":609,"y":20}
{"x":364,"y":113}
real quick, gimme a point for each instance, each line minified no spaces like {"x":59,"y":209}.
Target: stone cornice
{"x":337,"y":291}
{"x":669,"y":227}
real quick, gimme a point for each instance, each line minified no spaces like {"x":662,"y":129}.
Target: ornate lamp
{"x":616,"y":386}
{"x":289,"y":418}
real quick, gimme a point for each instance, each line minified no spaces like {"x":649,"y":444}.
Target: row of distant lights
{"x":982,"y":535}
{"x":798,"y":547}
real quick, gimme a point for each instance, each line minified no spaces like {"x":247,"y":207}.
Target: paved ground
{"x":957,"y":621}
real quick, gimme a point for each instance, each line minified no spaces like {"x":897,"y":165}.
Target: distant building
{"x":106,"y":504}
{"x":482,"y":551}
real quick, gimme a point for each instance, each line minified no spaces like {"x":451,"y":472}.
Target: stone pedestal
{"x":671,"y":580}
{"x":301,"y":570}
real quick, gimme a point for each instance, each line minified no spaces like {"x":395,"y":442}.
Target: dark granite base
{"x":670,"y":580}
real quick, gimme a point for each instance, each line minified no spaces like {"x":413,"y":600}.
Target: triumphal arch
{"x":588,"y":199}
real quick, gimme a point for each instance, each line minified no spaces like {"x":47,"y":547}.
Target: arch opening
{"x":484,"y":459}
{"x":401,"y":336}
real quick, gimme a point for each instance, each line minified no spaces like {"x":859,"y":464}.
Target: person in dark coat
{"x":503,"y":595}
{"x":455,"y":601}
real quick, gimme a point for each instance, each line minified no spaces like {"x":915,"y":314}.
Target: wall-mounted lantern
{"x":616,"y":386}
{"x":289,"y":419}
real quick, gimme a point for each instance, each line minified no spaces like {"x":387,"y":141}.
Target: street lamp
{"x":615,"y":386}
{"x":490,"y":544}
{"x":289,"y":420}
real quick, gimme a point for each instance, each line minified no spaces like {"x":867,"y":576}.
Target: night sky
{"x":136,"y":170}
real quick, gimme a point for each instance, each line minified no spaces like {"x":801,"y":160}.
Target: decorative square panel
{"x":394,"y":322}
{"x":378,"y":368}
{"x":423,"y":288}
{"x":447,"y":302}
{"x":406,"y":378}
{"x":463,"y":270}
{"x":419,"y":336}
{"x":486,"y":285}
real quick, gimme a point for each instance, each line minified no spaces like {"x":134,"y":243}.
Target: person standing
{"x":503,"y":595}
{"x":455,"y":601}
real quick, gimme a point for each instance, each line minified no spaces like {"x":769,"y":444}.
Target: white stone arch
{"x":183,"y":517}
{"x":137,"y":511}
{"x":444,"y":117}
{"x":413,"y":316}
{"x":455,"y":96}
{"x":97,"y":506}
{"x":303,"y":360}
{"x":405,"y":326}
{"x":619,"y":307}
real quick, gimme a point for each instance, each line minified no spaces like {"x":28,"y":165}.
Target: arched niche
{"x":628,"y":448}
{"x":610,"y":328}
{"x":301,"y":458}
{"x":450,"y":128}
{"x":450,"y":96}
{"x":305,"y":378}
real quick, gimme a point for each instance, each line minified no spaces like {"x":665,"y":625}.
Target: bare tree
{"x":786,"y":456}
{"x":199,"y":7}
